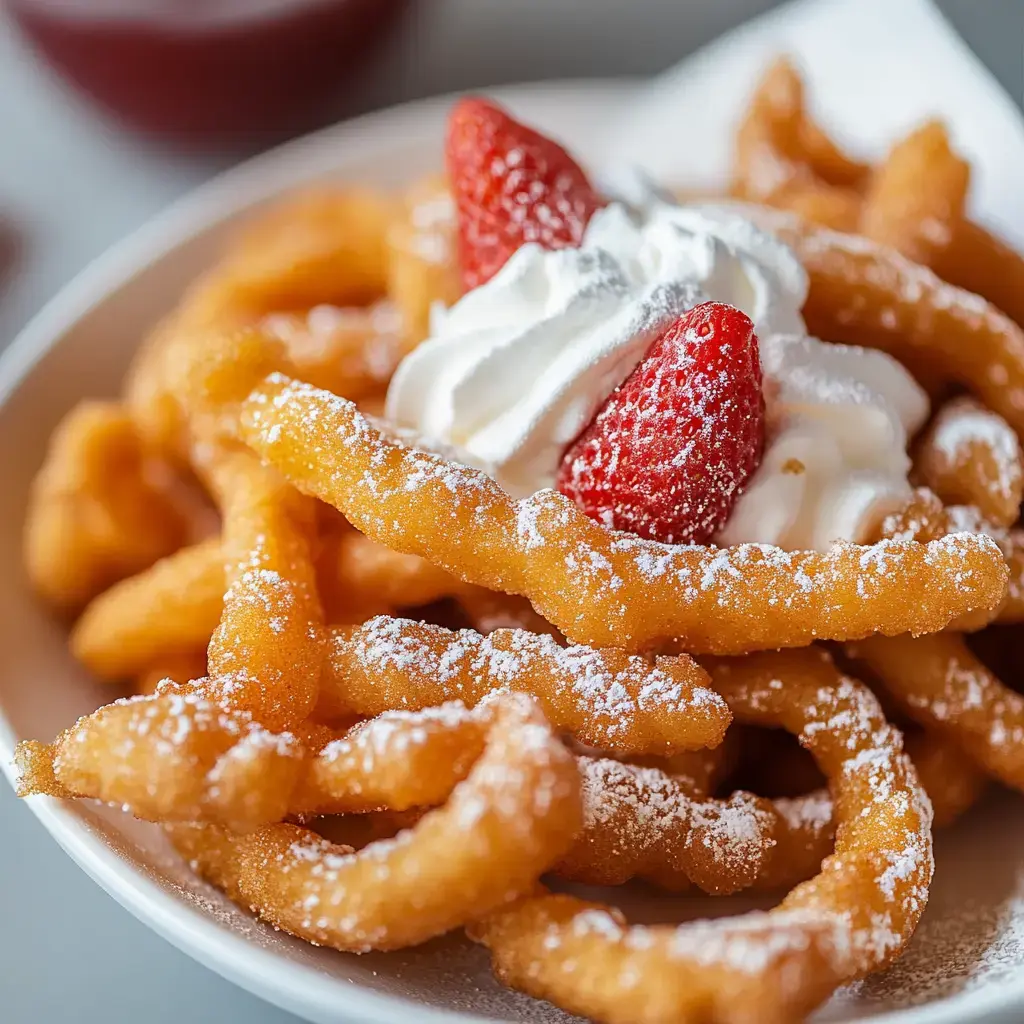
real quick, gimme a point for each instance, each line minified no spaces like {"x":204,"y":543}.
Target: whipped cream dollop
{"x":835,"y":461}
{"x":514,"y":370}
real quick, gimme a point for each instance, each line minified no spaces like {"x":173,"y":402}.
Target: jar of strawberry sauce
{"x":210,"y":70}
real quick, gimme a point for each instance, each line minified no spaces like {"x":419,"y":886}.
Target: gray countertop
{"x":70,"y":185}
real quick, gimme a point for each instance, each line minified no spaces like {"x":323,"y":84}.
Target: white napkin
{"x":874,"y":68}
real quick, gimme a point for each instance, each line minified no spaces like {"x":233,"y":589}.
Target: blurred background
{"x":110,"y":109}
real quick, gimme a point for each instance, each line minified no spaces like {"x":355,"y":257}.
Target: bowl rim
{"x":295,"y":987}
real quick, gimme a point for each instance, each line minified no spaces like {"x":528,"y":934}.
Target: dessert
{"x":969,"y":456}
{"x":852,"y":918}
{"x":913,"y":202}
{"x":536,"y":509}
{"x":514,"y":813}
{"x":604,"y":698}
{"x":604,"y":588}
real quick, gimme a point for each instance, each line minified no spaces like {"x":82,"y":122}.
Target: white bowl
{"x":967,"y":962}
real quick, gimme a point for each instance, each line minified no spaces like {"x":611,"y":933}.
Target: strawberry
{"x":511,"y":185}
{"x":670,"y":451}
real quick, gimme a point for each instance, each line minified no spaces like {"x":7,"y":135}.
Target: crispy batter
{"x":640,"y":821}
{"x":514,"y":815}
{"x":267,"y":650}
{"x":865,"y":294}
{"x":597,"y":586}
{"x":605,"y":698}
{"x":178,"y":669}
{"x":914,"y":202}
{"x":699,"y":772}
{"x":488,"y":610}
{"x":803,"y":821}
{"x":176,"y":604}
{"x":95,"y":513}
{"x":324,"y":245}
{"x":171,"y":607}
{"x":784,"y":159}
{"x":916,"y":198}
{"x":771,"y":968}
{"x":925,"y":518}
{"x":855,"y":916}
{"x":398,"y":761}
{"x":150,"y":386}
{"x":637,"y":820}
{"x":970,"y":456}
{"x":982,"y":263}
{"x":352,"y":352}
{"x":954,"y":783}
{"x":611,"y":772}
{"x":176,"y":756}
{"x":422,"y":268}
{"x":938,"y":682}
{"x":360,"y":578}
{"x":169,"y":757}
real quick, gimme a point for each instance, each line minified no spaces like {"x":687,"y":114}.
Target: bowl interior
{"x":969,"y":954}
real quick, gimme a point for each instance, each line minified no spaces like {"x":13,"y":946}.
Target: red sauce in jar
{"x":217,"y":70}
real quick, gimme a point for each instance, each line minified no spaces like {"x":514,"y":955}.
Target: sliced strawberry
{"x":672,"y":448}
{"x":511,"y":185}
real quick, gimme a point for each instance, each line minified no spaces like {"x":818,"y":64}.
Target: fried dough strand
{"x":514,"y":815}
{"x":865,"y":294}
{"x":267,"y":650}
{"x":916,"y":198}
{"x":855,"y":916}
{"x":939,"y":683}
{"x":172,"y":606}
{"x":640,"y":821}
{"x":95,"y":513}
{"x":599,"y":587}
{"x":784,"y":159}
{"x":605,"y":698}
{"x":970,"y":456}
{"x":169,"y":757}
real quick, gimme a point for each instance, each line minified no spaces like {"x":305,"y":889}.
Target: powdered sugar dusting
{"x":848,"y":716}
{"x":352,"y":346}
{"x":606,"y":695}
{"x":963,"y":429}
{"x":810,"y":812}
{"x":433,"y":222}
{"x":717,"y":843}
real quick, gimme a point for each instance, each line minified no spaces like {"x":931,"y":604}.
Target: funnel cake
{"x":181,"y":757}
{"x":604,"y":698}
{"x":853,"y":917}
{"x":96,"y":515}
{"x":172,"y":606}
{"x":865,"y":294}
{"x":514,"y":814}
{"x":942,"y":685}
{"x":266,"y":652}
{"x":559,"y":394}
{"x":599,"y":587}
{"x":642,"y":822}
{"x":913,"y":202}
{"x":186,"y":759}
{"x":970,"y":456}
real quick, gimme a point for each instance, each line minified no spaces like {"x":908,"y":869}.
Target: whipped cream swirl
{"x":519,"y":366}
{"x":835,"y":462}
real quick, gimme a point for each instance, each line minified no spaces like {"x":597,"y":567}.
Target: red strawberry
{"x":672,"y":448}
{"x":511,"y":185}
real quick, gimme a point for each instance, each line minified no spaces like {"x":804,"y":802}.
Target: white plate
{"x":968,"y":960}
